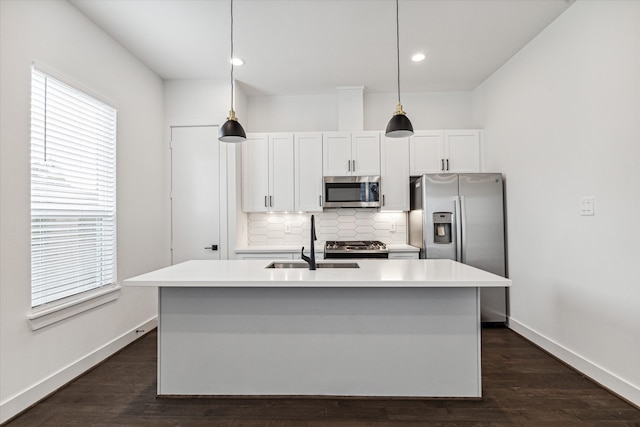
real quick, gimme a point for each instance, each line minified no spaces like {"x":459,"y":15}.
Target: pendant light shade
{"x":231,"y":130}
{"x":399,"y":126}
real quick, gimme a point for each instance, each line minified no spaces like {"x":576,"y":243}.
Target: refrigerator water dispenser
{"x":442,"y":227}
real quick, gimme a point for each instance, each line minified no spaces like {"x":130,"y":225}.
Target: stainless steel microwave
{"x":351,"y":191}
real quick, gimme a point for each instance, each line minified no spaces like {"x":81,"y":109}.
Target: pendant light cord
{"x":231,"y":60}
{"x":398,"y":47}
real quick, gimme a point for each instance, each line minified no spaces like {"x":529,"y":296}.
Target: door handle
{"x":447,"y":164}
{"x":354,"y":165}
{"x":265,"y":202}
{"x":319,"y":200}
{"x":442,"y":164}
{"x":212,"y":247}
{"x":349,"y":165}
{"x":270,"y":201}
{"x":459,"y":230}
{"x":463,"y":234}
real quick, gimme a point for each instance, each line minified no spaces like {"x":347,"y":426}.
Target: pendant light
{"x":231,"y":130}
{"x":399,"y":126}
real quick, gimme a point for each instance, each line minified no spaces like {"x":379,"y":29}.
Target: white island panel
{"x":388,"y":328}
{"x":320,"y":341}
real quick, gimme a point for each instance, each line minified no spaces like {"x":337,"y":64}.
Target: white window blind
{"x":73,"y":191}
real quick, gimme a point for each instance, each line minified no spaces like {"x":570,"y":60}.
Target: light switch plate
{"x":587,"y":206}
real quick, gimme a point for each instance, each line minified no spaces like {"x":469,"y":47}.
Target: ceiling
{"x":295,"y":47}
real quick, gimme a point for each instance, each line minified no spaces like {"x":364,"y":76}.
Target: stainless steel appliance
{"x":351,"y":191}
{"x":461,"y":217}
{"x":355,"y":249}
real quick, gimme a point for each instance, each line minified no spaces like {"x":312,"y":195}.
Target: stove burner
{"x":355,"y":248}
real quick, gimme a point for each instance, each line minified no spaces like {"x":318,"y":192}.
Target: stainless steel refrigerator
{"x":461,"y":217}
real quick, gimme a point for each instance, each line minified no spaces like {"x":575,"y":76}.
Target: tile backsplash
{"x":267,"y":229}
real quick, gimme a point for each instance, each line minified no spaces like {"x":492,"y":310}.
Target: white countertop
{"x":319,"y":248}
{"x":393,"y":247}
{"x":372,"y":273}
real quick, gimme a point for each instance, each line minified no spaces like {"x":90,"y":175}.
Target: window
{"x":73,"y":191}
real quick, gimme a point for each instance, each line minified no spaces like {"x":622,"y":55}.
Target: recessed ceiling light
{"x":418,"y":57}
{"x":236,"y":61}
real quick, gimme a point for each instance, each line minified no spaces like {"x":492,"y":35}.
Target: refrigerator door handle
{"x":463,"y":224}
{"x":458,"y":218}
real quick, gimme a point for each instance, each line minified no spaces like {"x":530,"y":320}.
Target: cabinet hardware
{"x":349,"y":165}
{"x":270,"y":201}
{"x":447,"y":164}
{"x":212,"y":247}
{"x":441,"y":164}
{"x":319,"y":200}
{"x":265,"y":202}
{"x":383,"y":200}
{"x":354,"y":165}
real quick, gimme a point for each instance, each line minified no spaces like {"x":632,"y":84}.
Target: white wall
{"x":207,"y":102}
{"x":429,"y":110}
{"x":562,"y":121}
{"x":433,"y":110}
{"x":53,"y":33}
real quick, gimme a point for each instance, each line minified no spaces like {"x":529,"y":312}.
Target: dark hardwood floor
{"x":523,"y":386}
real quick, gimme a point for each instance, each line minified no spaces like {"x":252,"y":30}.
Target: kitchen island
{"x":387,"y":328}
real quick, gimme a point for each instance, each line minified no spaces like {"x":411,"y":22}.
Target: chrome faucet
{"x":311,"y":260}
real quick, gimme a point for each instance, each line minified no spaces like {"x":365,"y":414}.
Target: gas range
{"x":355,"y":249}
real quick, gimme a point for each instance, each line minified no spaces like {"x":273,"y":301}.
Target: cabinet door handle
{"x":441,"y":164}
{"x":270,"y":201}
{"x":383,"y":200}
{"x":354,"y":165}
{"x":447,"y":164}
{"x":265,"y":202}
{"x":319,"y":200}
{"x":349,"y":165}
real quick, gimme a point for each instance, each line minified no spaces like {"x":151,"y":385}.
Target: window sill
{"x":49,"y":315}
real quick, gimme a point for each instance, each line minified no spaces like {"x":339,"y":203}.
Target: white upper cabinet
{"x":308,"y":172}
{"x":365,"y":152}
{"x":283,"y":172}
{"x":267,"y":173}
{"x":426,"y":152}
{"x":455,"y":151}
{"x":351,"y":153}
{"x":463,"y":150}
{"x":281,"y":187}
{"x":255,"y":173}
{"x":394,"y":168}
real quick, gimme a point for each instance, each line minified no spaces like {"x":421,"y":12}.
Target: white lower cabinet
{"x":265,"y":255}
{"x":404,"y":255}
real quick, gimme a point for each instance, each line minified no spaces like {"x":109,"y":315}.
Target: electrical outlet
{"x":587,"y":206}
{"x":393,"y":226}
{"x":287,"y":227}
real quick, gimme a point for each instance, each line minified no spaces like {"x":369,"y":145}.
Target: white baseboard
{"x":615,"y":384}
{"x":23,"y":400}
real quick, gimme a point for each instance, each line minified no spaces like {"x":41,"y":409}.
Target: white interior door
{"x":195,"y":193}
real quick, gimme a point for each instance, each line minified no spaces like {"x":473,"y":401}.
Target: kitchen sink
{"x":318,"y":265}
